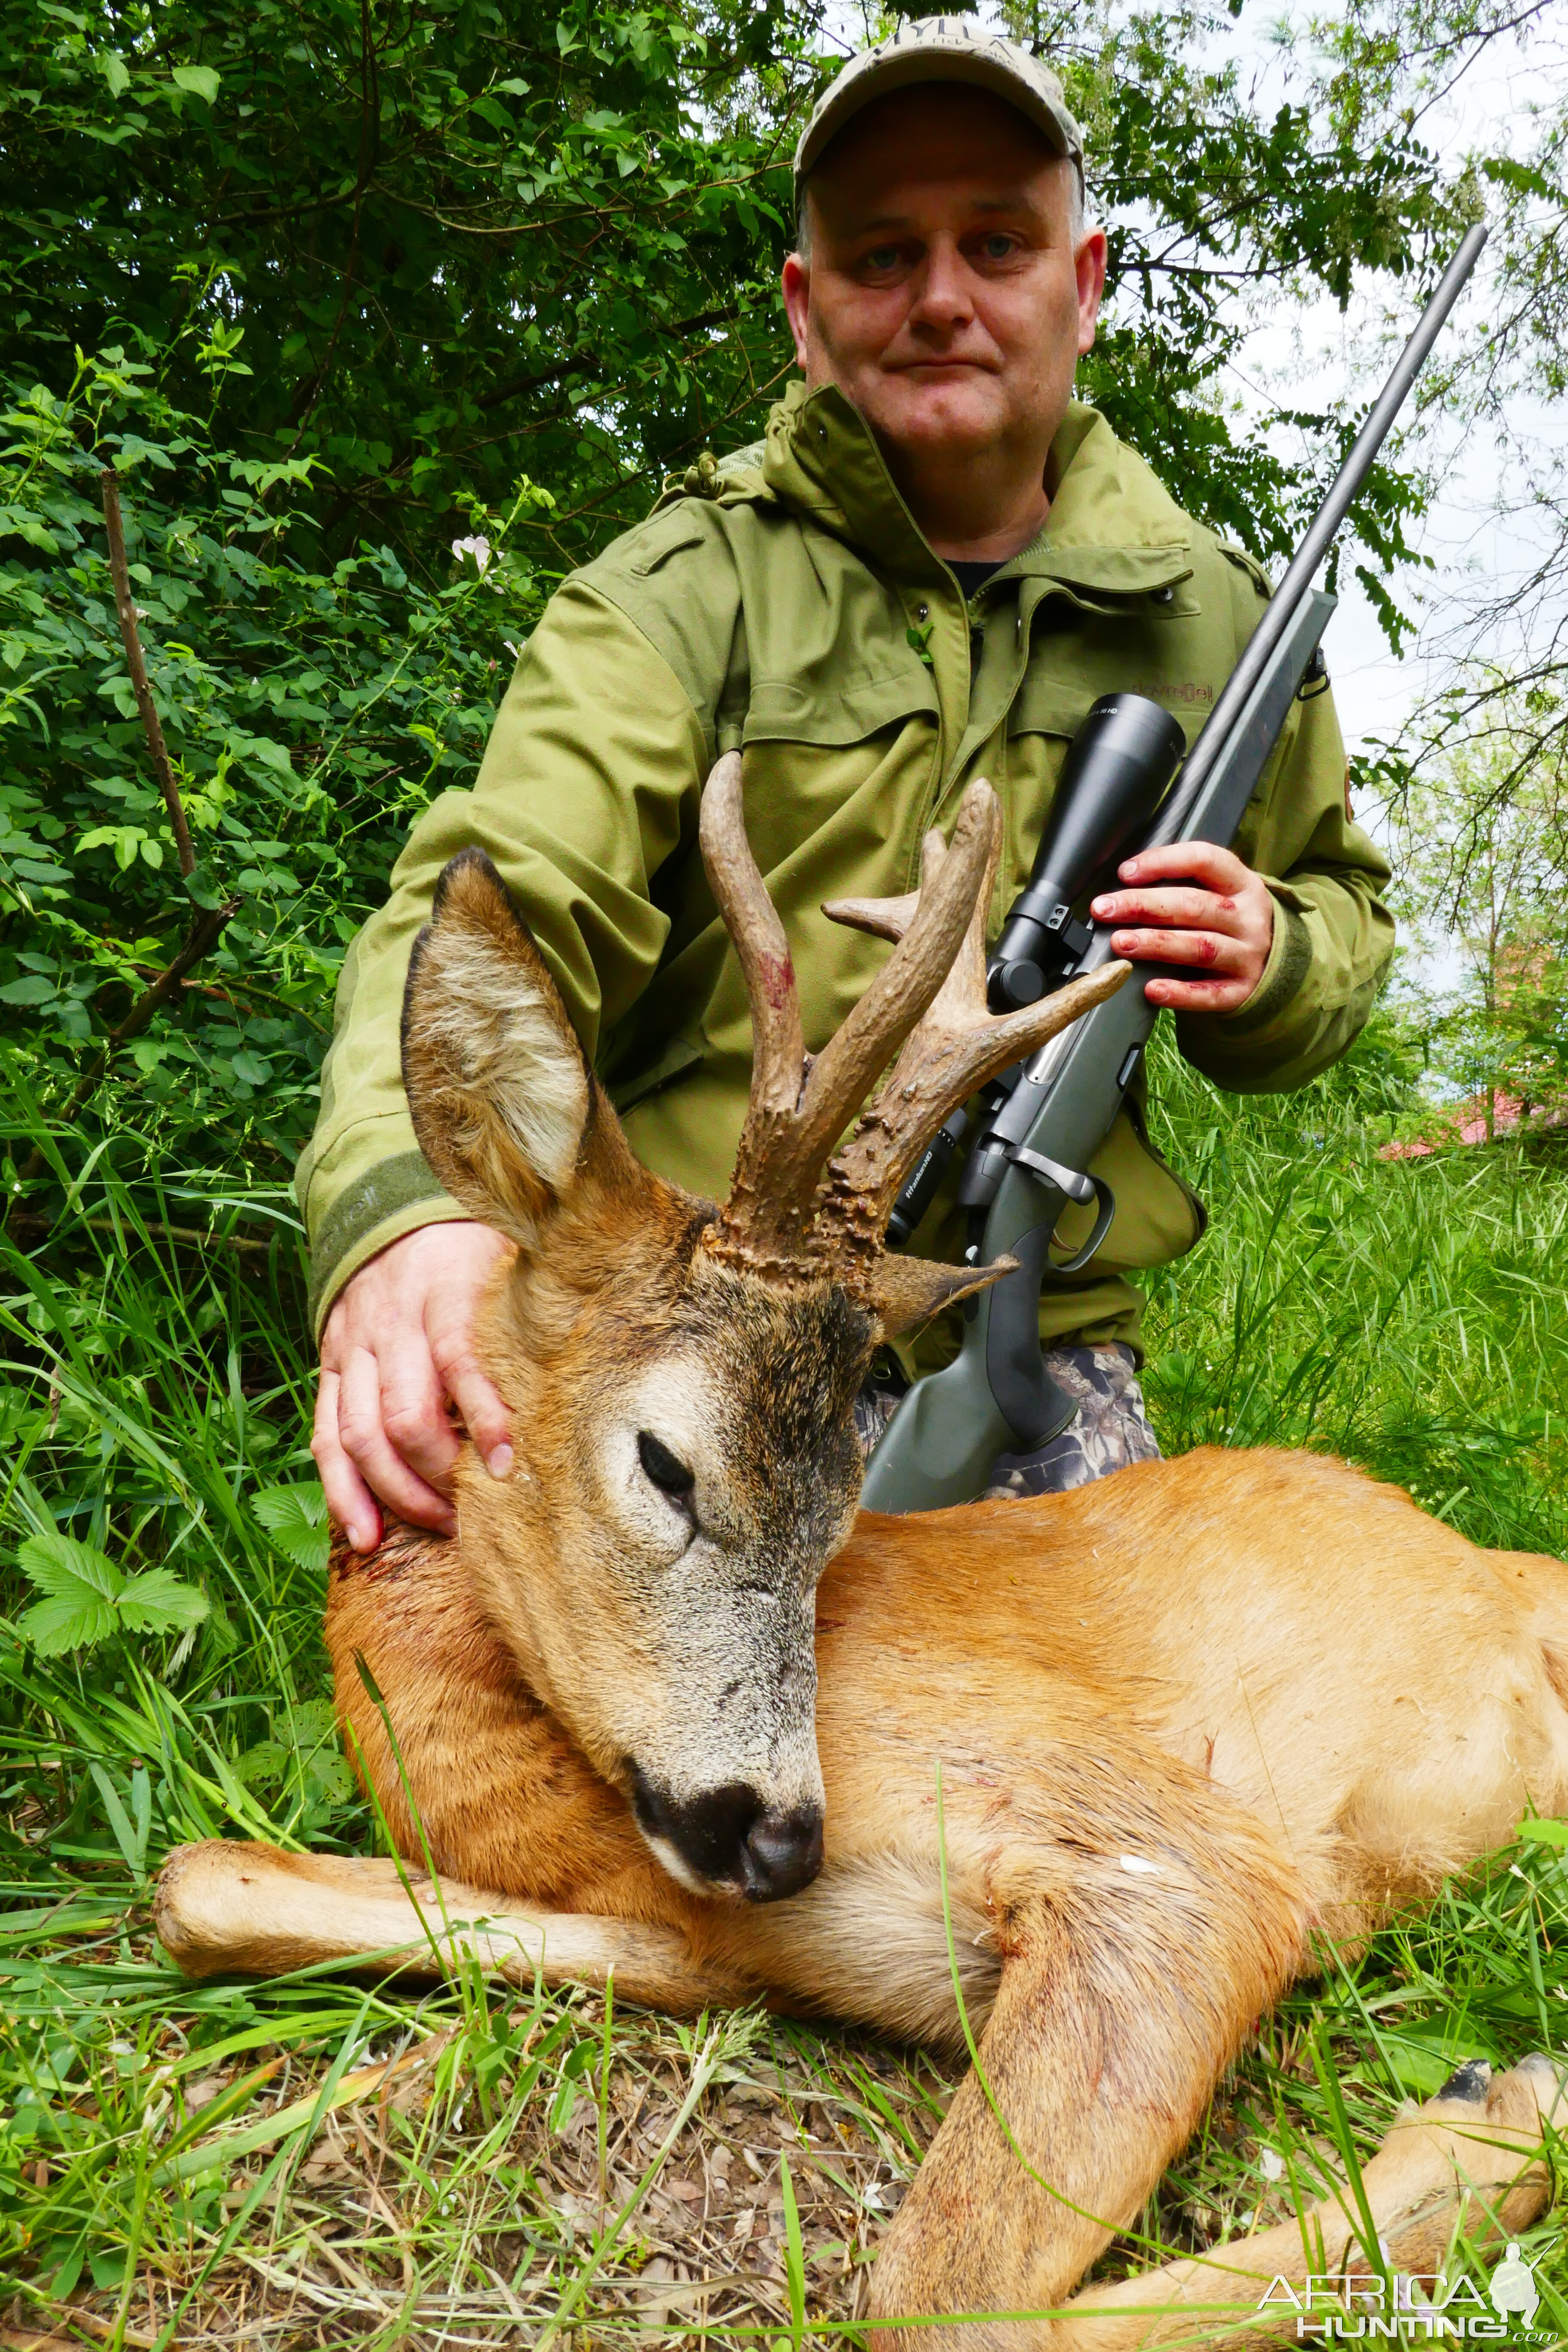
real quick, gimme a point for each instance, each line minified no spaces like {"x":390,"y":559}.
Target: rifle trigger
{"x":1065,"y":1179}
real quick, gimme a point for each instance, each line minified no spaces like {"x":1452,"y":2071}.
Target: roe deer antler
{"x":798,"y":1109}
{"x":929,"y":1001}
{"x":952,"y":1051}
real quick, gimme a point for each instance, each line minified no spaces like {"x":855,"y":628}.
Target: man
{"x":930,"y":570}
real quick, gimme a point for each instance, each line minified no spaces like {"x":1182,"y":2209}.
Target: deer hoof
{"x":1469,"y":2082}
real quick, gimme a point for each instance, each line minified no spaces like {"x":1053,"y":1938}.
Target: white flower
{"x":478,"y":548}
{"x":1271,"y":2164}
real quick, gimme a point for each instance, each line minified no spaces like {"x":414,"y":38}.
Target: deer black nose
{"x":782,"y":1852}
{"x":731,"y":1837}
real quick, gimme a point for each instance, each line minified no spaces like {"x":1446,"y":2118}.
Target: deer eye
{"x":662,"y":1468}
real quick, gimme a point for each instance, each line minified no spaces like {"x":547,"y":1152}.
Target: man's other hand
{"x":1197,"y":905}
{"x":397,"y":1352}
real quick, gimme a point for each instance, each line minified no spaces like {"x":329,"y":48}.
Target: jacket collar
{"x":1113,"y":531}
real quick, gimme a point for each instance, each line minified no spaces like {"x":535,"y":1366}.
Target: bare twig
{"x":209,"y":922}
{"x":182,"y":1237}
{"x":125,"y":608}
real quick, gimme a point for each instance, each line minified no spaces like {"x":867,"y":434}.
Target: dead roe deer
{"x":1183,"y":1718}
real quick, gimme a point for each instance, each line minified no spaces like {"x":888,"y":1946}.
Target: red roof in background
{"x":1466,"y":1122}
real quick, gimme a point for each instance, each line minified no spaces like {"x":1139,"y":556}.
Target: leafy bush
{"x":311,"y":715}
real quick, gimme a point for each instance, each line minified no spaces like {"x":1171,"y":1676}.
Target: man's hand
{"x":1202,"y":907}
{"x":398,"y":1347}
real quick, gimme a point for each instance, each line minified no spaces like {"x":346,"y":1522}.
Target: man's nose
{"x":731,"y":1837}
{"x":944,"y":296}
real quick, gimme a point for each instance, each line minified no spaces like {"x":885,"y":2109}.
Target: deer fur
{"x":1108,"y":1761}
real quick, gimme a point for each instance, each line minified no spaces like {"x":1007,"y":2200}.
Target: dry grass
{"x":502,"y":2175}
{"x":321,"y":2163}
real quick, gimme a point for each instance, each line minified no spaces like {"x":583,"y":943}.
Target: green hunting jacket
{"x":784,"y":603}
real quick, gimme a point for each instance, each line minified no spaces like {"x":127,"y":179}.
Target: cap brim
{"x":905,"y":70}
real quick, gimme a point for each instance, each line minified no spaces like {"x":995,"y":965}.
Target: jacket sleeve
{"x":1333,"y":937}
{"x":590,"y":781}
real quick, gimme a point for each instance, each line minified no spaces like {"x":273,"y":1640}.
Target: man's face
{"x":942,"y":293}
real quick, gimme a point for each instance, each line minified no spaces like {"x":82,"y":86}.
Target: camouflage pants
{"x":1109,"y":1431}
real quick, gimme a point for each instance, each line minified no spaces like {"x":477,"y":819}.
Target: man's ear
{"x":498,"y":1088}
{"x":795,"y":284}
{"x":908,"y":1291}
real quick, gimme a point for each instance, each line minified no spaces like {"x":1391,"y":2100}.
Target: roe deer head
{"x":681,"y":1375}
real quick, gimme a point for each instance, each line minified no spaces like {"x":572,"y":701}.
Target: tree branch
{"x":38,"y":1221}
{"x":152,"y":726}
{"x":208,"y":923}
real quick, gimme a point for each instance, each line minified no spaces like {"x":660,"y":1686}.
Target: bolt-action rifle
{"x":1036,"y":1130}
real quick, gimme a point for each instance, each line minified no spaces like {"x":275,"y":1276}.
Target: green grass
{"x":201,"y":2162}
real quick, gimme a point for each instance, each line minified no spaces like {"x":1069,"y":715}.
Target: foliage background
{"x":332,"y":287}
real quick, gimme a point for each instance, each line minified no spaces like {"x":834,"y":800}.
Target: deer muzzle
{"x":729,"y":1841}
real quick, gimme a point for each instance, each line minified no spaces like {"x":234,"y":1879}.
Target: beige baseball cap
{"x":942,"y":48}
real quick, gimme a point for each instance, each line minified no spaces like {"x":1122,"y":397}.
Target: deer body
{"x":1075,"y":1705}
{"x":666,"y":1709}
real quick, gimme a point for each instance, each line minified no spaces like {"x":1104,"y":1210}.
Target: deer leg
{"x":1472,"y":2158}
{"x":1129,"y":1979}
{"x":258,"y":1911}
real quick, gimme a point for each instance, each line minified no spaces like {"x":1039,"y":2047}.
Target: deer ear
{"x":498,"y":1088}
{"x":908,"y":1291}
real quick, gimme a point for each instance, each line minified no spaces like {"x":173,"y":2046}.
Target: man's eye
{"x":999,"y":248}
{"x":882,"y":256}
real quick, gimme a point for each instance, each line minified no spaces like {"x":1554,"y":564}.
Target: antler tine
{"x":778,"y":1048}
{"x":844,"y":1073}
{"x":954,"y":1050}
{"x":791,"y":1128}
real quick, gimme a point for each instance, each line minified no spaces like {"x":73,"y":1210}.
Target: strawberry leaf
{"x":295,"y":1519}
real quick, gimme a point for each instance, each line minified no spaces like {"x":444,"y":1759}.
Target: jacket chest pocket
{"x":838,"y":773}
{"x":835,"y":711}
{"x":1074,"y":662}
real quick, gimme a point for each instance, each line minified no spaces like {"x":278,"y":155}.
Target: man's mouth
{"x":937,"y":369}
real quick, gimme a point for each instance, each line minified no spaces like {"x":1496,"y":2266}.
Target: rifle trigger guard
{"x":1074,"y":1265}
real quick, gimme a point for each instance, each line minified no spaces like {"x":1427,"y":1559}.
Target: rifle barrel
{"x":1172,"y":819}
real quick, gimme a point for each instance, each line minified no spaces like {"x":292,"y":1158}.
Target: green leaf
{"x":60,"y":1566}
{"x":80,"y":1586}
{"x":295,"y":1519}
{"x":115,"y":71}
{"x":55,"y":1626}
{"x":157,"y":1601}
{"x":1546,"y":1833}
{"x":794,"y":2256}
{"x":130,"y":1838}
{"x":202,"y":81}
{"x":88,"y":1598}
